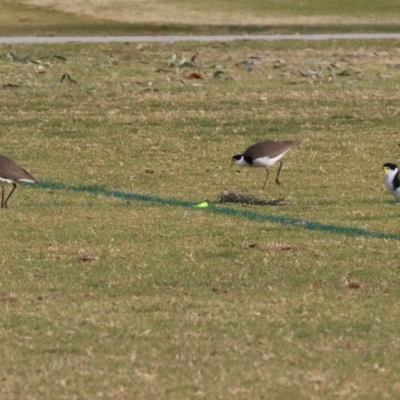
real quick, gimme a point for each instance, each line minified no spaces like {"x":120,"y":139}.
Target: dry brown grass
{"x":233,"y":196}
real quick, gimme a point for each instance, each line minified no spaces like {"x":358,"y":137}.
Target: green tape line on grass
{"x":250,"y":215}
{"x":308,"y":225}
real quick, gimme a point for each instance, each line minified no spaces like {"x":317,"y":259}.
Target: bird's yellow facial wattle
{"x":233,"y":161}
{"x":385,"y":170}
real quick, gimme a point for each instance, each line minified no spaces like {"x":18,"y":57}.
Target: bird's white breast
{"x":242,"y":162}
{"x":389,"y":184}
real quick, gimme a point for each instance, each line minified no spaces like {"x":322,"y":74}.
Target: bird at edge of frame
{"x":265,"y":154}
{"x":392,"y":179}
{"x":11,"y":173}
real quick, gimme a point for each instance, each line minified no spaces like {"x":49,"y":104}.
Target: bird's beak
{"x":233,"y":161}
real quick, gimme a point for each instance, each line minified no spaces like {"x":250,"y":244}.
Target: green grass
{"x":184,"y":303}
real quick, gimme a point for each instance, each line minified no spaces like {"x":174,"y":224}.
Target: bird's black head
{"x":389,"y":166}
{"x":235,"y":158}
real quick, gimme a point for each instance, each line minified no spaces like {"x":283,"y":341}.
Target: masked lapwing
{"x":12,"y":174}
{"x":264,"y":154}
{"x":392,"y":179}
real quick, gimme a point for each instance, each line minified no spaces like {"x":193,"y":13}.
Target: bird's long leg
{"x":12,"y":191}
{"x":266,"y":178}
{"x":279,"y":171}
{"x":2,"y":196}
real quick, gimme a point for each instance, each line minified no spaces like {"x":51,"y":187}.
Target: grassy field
{"x":137,"y":17}
{"x":121,"y":298}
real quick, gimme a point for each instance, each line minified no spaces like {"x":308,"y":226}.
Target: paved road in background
{"x":169,"y":39}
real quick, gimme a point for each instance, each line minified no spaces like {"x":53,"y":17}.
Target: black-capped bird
{"x":264,"y":154}
{"x":11,"y":173}
{"x":392,"y":179}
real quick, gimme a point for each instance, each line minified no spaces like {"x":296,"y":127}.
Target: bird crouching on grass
{"x":12,"y":174}
{"x":264,"y":154}
{"x":392,"y":179}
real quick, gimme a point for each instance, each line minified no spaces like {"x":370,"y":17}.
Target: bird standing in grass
{"x":392,"y":179}
{"x":11,"y":173}
{"x":264,"y":154}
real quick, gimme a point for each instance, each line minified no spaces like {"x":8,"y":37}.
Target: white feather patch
{"x":5,"y":180}
{"x":268,"y":161}
{"x":26,"y":180}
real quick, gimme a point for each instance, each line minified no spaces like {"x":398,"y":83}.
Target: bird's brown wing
{"x":10,"y":170}
{"x":270,"y":148}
